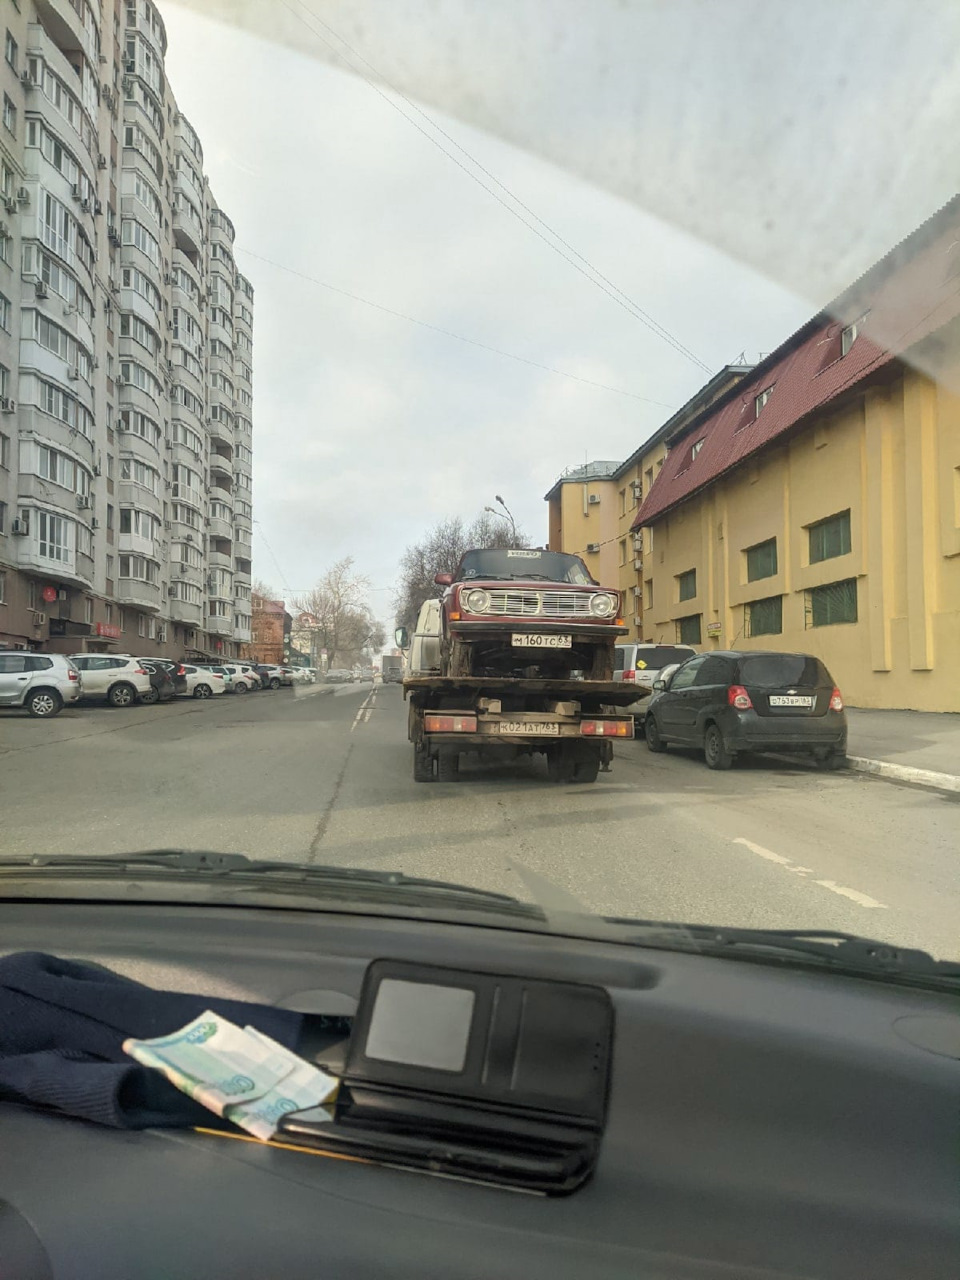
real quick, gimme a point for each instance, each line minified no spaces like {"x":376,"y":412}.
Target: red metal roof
{"x":910,"y":293}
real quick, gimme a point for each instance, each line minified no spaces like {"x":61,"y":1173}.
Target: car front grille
{"x":540,"y":604}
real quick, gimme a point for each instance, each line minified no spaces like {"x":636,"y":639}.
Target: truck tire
{"x":586,"y":769}
{"x":560,"y":763}
{"x":448,"y":765}
{"x":422,"y":765}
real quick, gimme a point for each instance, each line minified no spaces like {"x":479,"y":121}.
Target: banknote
{"x":236,"y":1072}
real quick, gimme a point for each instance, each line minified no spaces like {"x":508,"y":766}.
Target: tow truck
{"x":516,"y":658}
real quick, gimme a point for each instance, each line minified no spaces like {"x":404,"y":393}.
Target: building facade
{"x":815,"y":507}
{"x":271,"y":629}
{"x":126,"y":350}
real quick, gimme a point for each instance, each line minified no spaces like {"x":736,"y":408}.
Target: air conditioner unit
{"x":7,"y":405}
{"x":638,"y":564}
{"x":637,"y":620}
{"x":94,"y":523}
{"x":121,"y":382}
{"x":23,"y":195}
{"x":97,"y":469}
{"x":73,"y":374}
{"x":10,"y":204}
{"x":5,"y":232}
{"x":593,"y":547}
{"x":84,"y":501}
{"x":166,"y":524}
{"x":638,"y":542}
{"x":76,"y":191}
{"x":85,"y":205}
{"x":39,"y":618}
{"x":40,"y":289}
{"x":594,"y":500}
{"x":98,"y":206}
{"x":638,"y":592}
{"x":20,"y":527}
{"x":113,"y":235}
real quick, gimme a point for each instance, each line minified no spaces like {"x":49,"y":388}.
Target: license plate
{"x":537,"y":640}
{"x":541,"y":728}
{"x":790,"y":700}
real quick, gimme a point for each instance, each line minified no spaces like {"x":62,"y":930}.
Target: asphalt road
{"x":326,"y":776}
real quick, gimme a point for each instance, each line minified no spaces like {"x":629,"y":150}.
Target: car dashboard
{"x":761,"y":1122}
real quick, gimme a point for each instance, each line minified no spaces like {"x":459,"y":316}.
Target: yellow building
{"x":815,"y":505}
{"x":583,"y":518}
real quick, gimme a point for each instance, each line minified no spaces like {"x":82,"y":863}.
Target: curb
{"x":905,"y":773}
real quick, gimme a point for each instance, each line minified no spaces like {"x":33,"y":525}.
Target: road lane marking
{"x":854,"y":895}
{"x":363,"y":715}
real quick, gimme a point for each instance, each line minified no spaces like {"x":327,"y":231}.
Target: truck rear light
{"x":630,"y":675}
{"x":605,"y":728}
{"x":738,"y":697}
{"x":836,"y":700}
{"x":450,"y":724}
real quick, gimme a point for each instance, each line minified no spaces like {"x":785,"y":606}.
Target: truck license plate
{"x":543,"y":728}
{"x":537,"y":640}
{"x":790,"y":700}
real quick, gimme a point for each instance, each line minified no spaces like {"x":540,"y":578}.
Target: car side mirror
{"x":443,"y":579}
{"x":402,"y":637}
{"x":659,"y":686}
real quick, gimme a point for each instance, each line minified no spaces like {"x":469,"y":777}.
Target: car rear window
{"x":775,"y":670}
{"x":661,"y":655}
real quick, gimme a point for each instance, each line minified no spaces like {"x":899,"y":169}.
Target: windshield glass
{"x":638,"y":320}
{"x":546,"y":566}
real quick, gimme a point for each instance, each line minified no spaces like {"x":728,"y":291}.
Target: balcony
{"x":219,"y":626}
{"x":187,"y":230}
{"x":220,"y":560}
{"x":142,"y":595}
{"x":220,"y":528}
{"x":184,"y":611}
{"x":65,"y":25}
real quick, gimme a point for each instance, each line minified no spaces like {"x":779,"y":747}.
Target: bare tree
{"x":440,"y":551}
{"x":337,"y":617}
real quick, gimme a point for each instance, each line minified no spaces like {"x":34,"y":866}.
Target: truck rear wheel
{"x":560,"y":763}
{"x":422,"y":764}
{"x":448,"y":765}
{"x":587,"y":767}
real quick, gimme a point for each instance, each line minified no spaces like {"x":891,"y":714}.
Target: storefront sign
{"x":49,"y":594}
{"x":714,"y":628}
{"x":105,"y":629}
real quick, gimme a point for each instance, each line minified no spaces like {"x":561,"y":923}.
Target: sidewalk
{"x":922,"y":747}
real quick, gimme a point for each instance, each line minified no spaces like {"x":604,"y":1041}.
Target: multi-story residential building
{"x":126,"y":350}
{"x":812,"y":502}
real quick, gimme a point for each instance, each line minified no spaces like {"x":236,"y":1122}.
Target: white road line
{"x":365,"y":708}
{"x":862,"y":899}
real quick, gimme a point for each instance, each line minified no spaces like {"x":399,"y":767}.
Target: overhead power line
{"x":574,"y":257}
{"x":448,"y":333}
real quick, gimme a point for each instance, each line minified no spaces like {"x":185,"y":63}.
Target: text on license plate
{"x":543,"y":728}
{"x":790,"y":700}
{"x":538,"y":640}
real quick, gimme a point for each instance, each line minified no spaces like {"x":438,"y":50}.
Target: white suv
{"x":40,"y":682}
{"x":116,"y":677}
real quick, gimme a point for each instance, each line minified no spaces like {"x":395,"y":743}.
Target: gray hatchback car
{"x":728,"y":702}
{"x":41,"y":683}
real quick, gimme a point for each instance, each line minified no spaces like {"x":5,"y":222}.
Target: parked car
{"x":288,"y":675}
{"x":115,"y":677}
{"x":338,"y":675}
{"x":641,"y":664}
{"x":237,"y":680}
{"x":727,"y":702}
{"x":252,"y":676}
{"x":162,"y":688}
{"x":202,"y":682}
{"x":270,"y":676}
{"x":175,"y":669}
{"x":41,"y":683}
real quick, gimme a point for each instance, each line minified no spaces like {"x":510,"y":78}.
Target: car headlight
{"x":475,"y":600}
{"x":603,"y":606}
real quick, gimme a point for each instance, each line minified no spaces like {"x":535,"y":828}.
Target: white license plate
{"x":542,"y":728}
{"x":538,"y":640}
{"x":790,"y":700}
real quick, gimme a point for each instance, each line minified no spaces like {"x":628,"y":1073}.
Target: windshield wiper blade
{"x":849,"y":951}
{"x":216,"y":864}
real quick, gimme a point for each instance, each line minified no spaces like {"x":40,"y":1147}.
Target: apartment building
{"x":126,"y":350}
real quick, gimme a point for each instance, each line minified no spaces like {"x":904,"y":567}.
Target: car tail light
{"x":181,"y":671}
{"x":71,"y":674}
{"x":836,"y":700}
{"x":606,"y":728}
{"x":140,"y":672}
{"x":630,"y":675}
{"x":450,"y":724}
{"x":738,"y":697}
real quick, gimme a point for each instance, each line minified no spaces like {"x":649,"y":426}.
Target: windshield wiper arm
{"x":212,"y":863}
{"x":828,"y":946}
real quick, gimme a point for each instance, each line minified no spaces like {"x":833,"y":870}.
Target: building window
{"x":9,"y":114}
{"x":87,"y":609}
{"x":760,"y":400}
{"x":698,"y":445}
{"x":762,"y":560}
{"x":3,"y":517}
{"x":830,"y":538}
{"x":623,"y":551}
{"x":11,"y":51}
{"x":687,"y":585}
{"x":835,"y":602}
{"x":765,"y":617}
{"x":54,"y":537}
{"x":32,"y":594}
{"x":648,"y":593}
{"x":4,"y":312}
{"x":108,"y":613}
{"x":3,"y":585}
{"x":141,"y":625}
{"x":688,"y":629}
{"x":849,"y":335}
{"x":4,"y":452}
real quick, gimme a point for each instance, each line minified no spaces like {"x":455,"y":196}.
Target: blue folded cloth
{"x":62,"y":1028}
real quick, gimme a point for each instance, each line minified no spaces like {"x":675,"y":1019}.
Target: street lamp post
{"x":500,"y":514}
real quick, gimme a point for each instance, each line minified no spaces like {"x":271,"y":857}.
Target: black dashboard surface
{"x":762,"y":1122}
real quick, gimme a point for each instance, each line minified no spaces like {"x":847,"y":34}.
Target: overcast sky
{"x":368,"y":428}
